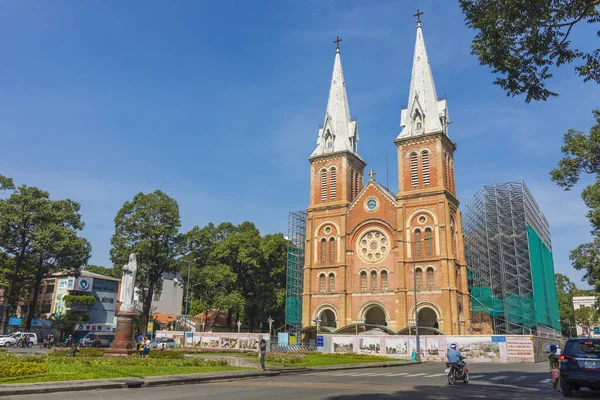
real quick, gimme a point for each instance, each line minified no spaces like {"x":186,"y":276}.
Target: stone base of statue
{"x":123,"y":344}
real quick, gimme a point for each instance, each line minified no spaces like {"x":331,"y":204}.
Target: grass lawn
{"x":76,"y":371}
{"x":313,"y":360}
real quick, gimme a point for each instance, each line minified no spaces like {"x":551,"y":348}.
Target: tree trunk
{"x":146,"y":308}
{"x":32,"y":306}
{"x":5,"y":303}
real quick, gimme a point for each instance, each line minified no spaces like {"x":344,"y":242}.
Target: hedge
{"x":84,"y":352}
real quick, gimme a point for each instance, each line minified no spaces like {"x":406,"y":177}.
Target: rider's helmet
{"x":453,"y":345}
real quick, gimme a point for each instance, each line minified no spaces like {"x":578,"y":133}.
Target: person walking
{"x":554,"y":367}
{"x":262,"y":347}
{"x":140,"y":338}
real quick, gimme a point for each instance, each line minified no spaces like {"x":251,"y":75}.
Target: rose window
{"x":373,"y":246}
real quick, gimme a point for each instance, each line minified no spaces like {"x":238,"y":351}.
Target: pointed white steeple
{"x":425,"y":113}
{"x":339,"y":131}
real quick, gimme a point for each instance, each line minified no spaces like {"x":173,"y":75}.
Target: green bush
{"x":352,"y":356}
{"x":285,"y":358}
{"x":83,"y":352}
{"x":20,"y":368}
{"x":136,"y":361}
{"x":167,"y":354}
{"x":74,"y":300}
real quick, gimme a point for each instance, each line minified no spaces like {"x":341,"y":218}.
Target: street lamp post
{"x":187,"y":300}
{"x":413,"y":249}
{"x":270,"y":321}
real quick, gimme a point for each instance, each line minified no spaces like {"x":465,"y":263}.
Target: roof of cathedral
{"x":339,"y":131}
{"x":425,"y":112}
{"x":378,"y":186}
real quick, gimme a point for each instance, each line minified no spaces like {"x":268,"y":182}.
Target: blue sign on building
{"x":14,"y":321}
{"x":498,"y":339}
{"x":319,"y":341}
{"x":105,"y":291}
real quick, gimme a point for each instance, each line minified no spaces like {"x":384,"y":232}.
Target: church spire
{"x":339,"y":131}
{"x":425,"y":113}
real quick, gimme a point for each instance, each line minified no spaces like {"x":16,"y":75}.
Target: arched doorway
{"x":375,"y":315}
{"x":327,"y":318}
{"x":428,"y":317}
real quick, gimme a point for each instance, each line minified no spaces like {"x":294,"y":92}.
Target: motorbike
{"x":68,"y":342}
{"x":455,"y":373}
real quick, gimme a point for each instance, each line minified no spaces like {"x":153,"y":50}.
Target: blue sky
{"x":219,"y":103}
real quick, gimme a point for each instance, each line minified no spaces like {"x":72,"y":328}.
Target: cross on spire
{"x":372,"y":175}
{"x":337,"y":43}
{"x":418,"y":15}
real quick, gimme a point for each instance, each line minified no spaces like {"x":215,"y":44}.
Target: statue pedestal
{"x":123,"y":344}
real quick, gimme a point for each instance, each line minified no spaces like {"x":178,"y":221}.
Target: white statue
{"x":128,"y":284}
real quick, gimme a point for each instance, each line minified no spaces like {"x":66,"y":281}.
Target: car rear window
{"x":583,"y":346}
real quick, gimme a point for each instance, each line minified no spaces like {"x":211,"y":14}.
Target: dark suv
{"x":580,"y":365}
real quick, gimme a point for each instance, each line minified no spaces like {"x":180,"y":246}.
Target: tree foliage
{"x":587,"y":317}
{"x":38,"y":236}
{"x":6,"y":183}
{"x":582,"y":156}
{"x":149,"y":227}
{"x":565,"y":289}
{"x":521,"y":40}
{"x":100,"y":270}
{"x":238,"y":271}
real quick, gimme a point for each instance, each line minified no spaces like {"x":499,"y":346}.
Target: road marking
{"x":497,"y":378}
{"x":431,"y":376}
{"x":501,"y":385}
{"x":546,"y":380}
{"x":408,"y":376}
{"x":475,"y":376}
{"x":370,"y":374}
{"x":403,"y":373}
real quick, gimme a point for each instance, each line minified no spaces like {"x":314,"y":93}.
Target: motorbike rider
{"x":454,"y":357}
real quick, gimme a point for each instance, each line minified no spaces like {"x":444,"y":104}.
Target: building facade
{"x":372,"y":255}
{"x":511,"y":271}
{"x":169,"y":299}
{"x":581,"y":302}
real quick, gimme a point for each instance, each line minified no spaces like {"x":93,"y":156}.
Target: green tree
{"x":6,"y":183}
{"x":587,"y":317}
{"x":565,"y":290}
{"x":21,"y":216}
{"x":149,"y":227}
{"x":100,"y":270}
{"x":57,"y":246}
{"x":582,"y":156}
{"x":521,"y":40}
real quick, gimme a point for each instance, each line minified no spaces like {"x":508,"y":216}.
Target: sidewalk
{"x":73,"y":386}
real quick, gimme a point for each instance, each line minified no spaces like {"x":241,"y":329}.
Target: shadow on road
{"x":464,"y":392}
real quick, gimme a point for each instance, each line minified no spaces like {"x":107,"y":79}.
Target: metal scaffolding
{"x":509,"y":258}
{"x":295,"y":270}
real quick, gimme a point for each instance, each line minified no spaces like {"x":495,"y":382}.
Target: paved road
{"x":426,"y":381}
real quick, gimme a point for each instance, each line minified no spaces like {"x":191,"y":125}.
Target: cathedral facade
{"x":368,"y":249}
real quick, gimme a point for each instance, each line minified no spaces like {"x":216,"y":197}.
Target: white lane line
{"x":497,"y":378}
{"x":501,"y":385}
{"x":370,"y":374}
{"x":475,"y":376}
{"x":519,"y":378}
{"x":403,"y":373}
{"x":344,"y":374}
{"x":391,"y":374}
{"x":408,"y":376}
{"x":431,"y":376}
{"x":546,"y":380}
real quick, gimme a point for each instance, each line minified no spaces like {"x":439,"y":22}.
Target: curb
{"x":169,"y":380}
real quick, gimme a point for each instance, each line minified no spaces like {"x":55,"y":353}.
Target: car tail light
{"x":563,"y":357}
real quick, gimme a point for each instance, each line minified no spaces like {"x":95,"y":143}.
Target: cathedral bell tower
{"x":336,"y":171}
{"x":430,"y":227}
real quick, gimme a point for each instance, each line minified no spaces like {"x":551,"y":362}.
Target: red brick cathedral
{"x":367,"y":247}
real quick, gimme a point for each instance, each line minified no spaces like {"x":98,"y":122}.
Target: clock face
{"x":372,"y":204}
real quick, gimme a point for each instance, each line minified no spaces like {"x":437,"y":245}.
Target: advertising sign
{"x":150,"y":328}
{"x":14,"y":321}
{"x":283,"y":338}
{"x":84,"y":284}
{"x":519,"y":348}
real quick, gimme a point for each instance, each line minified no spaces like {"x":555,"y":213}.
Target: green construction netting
{"x":293,"y":301}
{"x":544,"y":284}
{"x":484,"y":302}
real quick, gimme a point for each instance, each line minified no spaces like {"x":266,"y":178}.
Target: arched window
{"x":425,"y":167}
{"x":322,"y":282}
{"x":414,"y":170}
{"x":332,"y":183}
{"x":453,"y":235}
{"x":323,"y":185}
{"x":428,"y":242}
{"x":373,"y":280}
{"x":384,"y":283}
{"x":418,"y":243}
{"x":356,"y":184}
{"x":419,"y":278}
{"x":331,"y":282}
{"x":430,"y":278}
{"x":363,"y":280}
{"x":332,"y":250}
{"x":450,"y":174}
{"x":323,"y":251}
{"x":419,"y":126}
{"x":352,"y":186}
